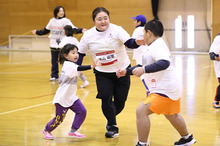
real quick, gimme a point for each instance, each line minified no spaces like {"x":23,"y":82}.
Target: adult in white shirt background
{"x":106,"y":42}
{"x":55,"y":28}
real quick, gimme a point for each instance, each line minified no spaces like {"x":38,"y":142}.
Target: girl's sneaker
{"x":47,"y":135}
{"x":75,"y":134}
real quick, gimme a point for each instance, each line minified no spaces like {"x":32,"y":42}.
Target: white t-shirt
{"x":56,"y":30}
{"x":68,"y":40}
{"x":137,"y":53}
{"x":66,"y":93}
{"x":107,"y":47}
{"x":215,"y":47}
{"x":165,"y":81}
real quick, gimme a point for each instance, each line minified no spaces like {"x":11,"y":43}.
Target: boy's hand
{"x":138,"y":71}
{"x":140,"y":41}
{"x":120,"y":73}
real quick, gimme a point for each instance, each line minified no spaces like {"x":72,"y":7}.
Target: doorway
{"x":187,"y":24}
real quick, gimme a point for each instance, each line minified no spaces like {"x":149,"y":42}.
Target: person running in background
{"x":139,"y":22}
{"x":106,"y":42}
{"x":55,"y":28}
{"x":65,"y":97}
{"x":69,"y":39}
{"x":164,"y":84}
{"x":214,"y":55}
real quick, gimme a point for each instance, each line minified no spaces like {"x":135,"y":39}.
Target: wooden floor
{"x":26,"y":105}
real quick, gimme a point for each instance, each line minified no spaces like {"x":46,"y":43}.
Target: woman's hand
{"x":120,"y":73}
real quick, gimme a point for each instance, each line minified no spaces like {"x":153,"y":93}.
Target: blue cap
{"x":141,"y":18}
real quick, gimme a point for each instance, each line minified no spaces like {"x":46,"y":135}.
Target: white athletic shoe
{"x":86,"y":83}
{"x":54,"y":79}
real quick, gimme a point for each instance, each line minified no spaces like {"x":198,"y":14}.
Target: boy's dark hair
{"x":68,"y":30}
{"x":155,"y":26}
{"x":98,"y":10}
{"x":65,"y":51}
{"x":56,"y":11}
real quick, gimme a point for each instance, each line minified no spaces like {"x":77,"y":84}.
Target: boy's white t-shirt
{"x":66,"y":93}
{"x":56,"y":30}
{"x":166,"y":81}
{"x":137,"y":53}
{"x":68,"y":40}
{"x":215,"y":47}
{"x":107,"y":47}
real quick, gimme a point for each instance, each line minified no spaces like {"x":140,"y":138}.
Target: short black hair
{"x":155,"y":26}
{"x":68,"y":30}
{"x":65,"y":51}
{"x":56,"y":11}
{"x":98,"y":10}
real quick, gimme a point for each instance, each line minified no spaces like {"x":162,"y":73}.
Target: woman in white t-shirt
{"x":55,"y":28}
{"x":106,"y":42}
{"x":164,"y":85}
{"x":65,"y":97}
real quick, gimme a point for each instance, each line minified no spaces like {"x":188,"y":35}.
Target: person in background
{"x":214,"y":56}
{"x":65,"y":97}
{"x":106,"y":42}
{"x":55,"y":28}
{"x":164,"y":84}
{"x":69,"y":39}
{"x":139,"y":22}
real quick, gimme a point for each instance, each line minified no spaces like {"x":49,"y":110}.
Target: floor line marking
{"x":24,"y":108}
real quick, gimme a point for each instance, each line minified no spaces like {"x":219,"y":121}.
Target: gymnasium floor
{"x":26,"y":105}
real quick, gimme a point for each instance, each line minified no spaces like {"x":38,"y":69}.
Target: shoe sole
{"x":46,"y":137}
{"x":76,"y":136}
{"x":83,"y":86}
{"x":188,"y":144}
{"x":216,"y":106}
{"x":115,"y":135}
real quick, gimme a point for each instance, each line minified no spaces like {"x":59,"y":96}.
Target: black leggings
{"x":111,"y":109}
{"x":113,"y":92}
{"x":54,"y":62}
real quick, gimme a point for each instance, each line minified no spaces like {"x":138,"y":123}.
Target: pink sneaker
{"x":76,"y":134}
{"x":47,"y":135}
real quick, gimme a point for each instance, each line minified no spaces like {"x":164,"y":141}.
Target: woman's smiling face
{"x":102,"y":21}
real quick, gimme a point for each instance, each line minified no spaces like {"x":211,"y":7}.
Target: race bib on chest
{"x":106,"y":58}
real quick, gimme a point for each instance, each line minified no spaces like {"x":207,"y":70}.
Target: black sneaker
{"x":112,"y":132}
{"x":185,"y":142}
{"x":138,"y":144}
